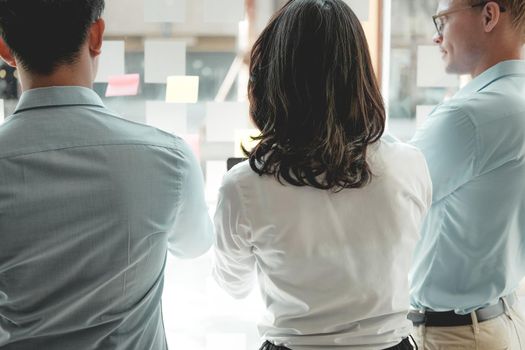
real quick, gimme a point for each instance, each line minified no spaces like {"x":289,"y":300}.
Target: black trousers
{"x":404,"y":345}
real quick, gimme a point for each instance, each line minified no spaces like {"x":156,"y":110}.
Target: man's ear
{"x":491,"y":16}
{"x":6,"y":55}
{"x":96,"y":34}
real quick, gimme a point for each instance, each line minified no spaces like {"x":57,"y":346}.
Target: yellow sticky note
{"x":182,"y":89}
{"x":244,"y":137}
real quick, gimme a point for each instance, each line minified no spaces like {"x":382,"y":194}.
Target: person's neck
{"x":495,"y":56}
{"x":67,"y":75}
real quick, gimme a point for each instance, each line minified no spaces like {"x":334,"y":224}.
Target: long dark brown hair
{"x":314,"y":96}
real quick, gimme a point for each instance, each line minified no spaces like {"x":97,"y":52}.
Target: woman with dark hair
{"x":325,"y":212}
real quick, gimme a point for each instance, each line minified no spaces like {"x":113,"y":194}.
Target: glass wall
{"x":179,"y":65}
{"x":171,"y":45}
{"x":417,"y":81}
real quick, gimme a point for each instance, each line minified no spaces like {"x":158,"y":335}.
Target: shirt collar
{"x":500,"y":70}
{"x":57,"y":97}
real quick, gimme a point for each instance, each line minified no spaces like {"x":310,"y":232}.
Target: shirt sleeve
{"x":192,"y":234}
{"x":425,"y":182}
{"x":448,"y":140}
{"x":234,"y":268}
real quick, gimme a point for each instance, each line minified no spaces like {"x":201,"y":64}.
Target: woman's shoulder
{"x":391,"y":150}
{"x":240,"y":170}
{"x":389,"y":143}
{"x":393,"y":158}
{"x":403,"y":166}
{"x":240,"y":173}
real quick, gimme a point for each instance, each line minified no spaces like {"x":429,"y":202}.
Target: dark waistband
{"x":404,"y":345}
{"x":431,"y":318}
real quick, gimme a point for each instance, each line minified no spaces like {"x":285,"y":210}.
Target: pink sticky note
{"x":193,"y":141}
{"x":123,"y":85}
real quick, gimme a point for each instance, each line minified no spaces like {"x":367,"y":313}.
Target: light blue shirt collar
{"x":498,"y":71}
{"x":58,"y":96}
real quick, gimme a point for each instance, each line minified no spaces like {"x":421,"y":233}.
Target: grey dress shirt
{"x":89,"y":206}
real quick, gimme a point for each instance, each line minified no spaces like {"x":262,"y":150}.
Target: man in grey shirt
{"x":89,"y":203}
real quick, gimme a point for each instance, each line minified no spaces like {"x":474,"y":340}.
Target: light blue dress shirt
{"x":472,"y":249}
{"x":89,"y":206}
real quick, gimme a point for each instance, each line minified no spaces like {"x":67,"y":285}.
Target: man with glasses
{"x":471,"y":257}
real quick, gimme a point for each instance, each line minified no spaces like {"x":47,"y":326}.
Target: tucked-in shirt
{"x":332,"y":266}
{"x":89,"y":206}
{"x":472,"y":248}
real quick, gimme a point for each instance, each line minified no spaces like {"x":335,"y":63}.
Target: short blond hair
{"x":517,"y":11}
{"x":516,"y":8}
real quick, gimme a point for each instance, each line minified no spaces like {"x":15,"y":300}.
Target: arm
{"x":192,"y":234}
{"x":449,"y":141}
{"x":425,"y":183}
{"x":234,"y":260}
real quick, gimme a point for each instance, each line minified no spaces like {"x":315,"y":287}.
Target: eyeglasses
{"x":440,"y":24}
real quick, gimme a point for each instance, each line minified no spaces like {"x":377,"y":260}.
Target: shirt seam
{"x":475,"y":161}
{"x":20,"y":110}
{"x":475,"y":128}
{"x":181,"y":185}
{"x":108,"y":113}
{"x":62,"y":148}
{"x":243,"y":210}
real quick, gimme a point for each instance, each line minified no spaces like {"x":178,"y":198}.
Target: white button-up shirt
{"x":332,"y":267}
